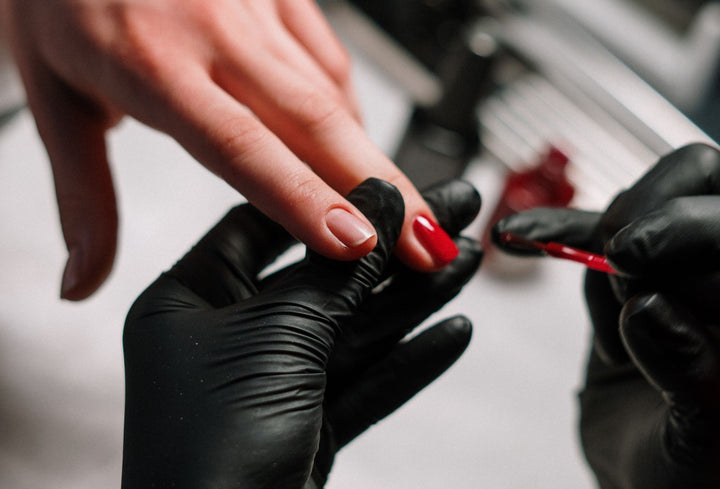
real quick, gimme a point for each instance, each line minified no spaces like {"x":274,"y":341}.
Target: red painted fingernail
{"x":435,"y":240}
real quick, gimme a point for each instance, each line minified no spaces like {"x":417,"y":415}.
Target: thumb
{"x":335,"y":288}
{"x":73,"y":131}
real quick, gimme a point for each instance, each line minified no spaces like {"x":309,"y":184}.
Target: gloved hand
{"x":246,"y":382}
{"x":650,"y":410}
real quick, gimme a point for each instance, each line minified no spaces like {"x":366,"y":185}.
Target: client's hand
{"x":239,"y":381}
{"x":257,"y":91}
{"x":651,"y":405}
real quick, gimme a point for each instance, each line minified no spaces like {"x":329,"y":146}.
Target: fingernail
{"x":435,"y":240}
{"x":71,"y":276}
{"x":348,"y":228}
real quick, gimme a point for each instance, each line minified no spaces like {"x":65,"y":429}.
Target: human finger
{"x":323,"y":134}
{"x":691,"y":170}
{"x":264,"y":22}
{"x":233,"y":143}
{"x":407,"y":297}
{"x":337,"y":289}
{"x":456,"y":203}
{"x":390,"y":383}
{"x":680,"y":237}
{"x":674,"y":250}
{"x":306,"y":22}
{"x":73,"y":131}
{"x":568,"y":226}
{"x":390,"y":314}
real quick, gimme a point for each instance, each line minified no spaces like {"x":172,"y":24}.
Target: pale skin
{"x":258,"y":91}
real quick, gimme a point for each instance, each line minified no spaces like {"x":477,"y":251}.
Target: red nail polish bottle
{"x":543,"y":185}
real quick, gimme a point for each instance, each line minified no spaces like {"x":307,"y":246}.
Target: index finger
{"x":568,"y":226}
{"x":229,"y":140}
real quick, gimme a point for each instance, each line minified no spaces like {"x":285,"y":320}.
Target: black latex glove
{"x":651,"y":405}
{"x":237,"y":382}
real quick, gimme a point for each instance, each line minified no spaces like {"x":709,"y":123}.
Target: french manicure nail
{"x":435,"y":240}
{"x":348,"y":228}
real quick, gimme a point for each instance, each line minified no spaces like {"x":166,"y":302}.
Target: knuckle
{"x":208,"y":15}
{"x":318,"y":112}
{"x":339,"y":66}
{"x":135,"y":43}
{"x":238,"y":140}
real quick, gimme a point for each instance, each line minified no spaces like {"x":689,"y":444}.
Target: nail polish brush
{"x":558,"y":250}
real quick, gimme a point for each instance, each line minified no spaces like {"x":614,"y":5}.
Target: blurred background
{"x":561,"y":102}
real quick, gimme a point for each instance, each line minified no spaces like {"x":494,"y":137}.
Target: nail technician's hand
{"x":233,"y":381}
{"x":651,"y":405}
{"x":254,"y":89}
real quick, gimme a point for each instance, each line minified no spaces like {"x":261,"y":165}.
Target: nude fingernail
{"x":348,"y":228}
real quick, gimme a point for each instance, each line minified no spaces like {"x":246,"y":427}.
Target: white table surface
{"x":503,"y":417}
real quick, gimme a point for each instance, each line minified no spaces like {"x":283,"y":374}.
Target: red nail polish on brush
{"x":558,"y":250}
{"x":435,"y":240}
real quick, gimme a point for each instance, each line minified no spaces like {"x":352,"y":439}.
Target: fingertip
{"x":89,"y":219}
{"x":72,"y":277}
{"x":381,"y":204}
{"x":72,"y":129}
{"x":85,"y":271}
{"x":442,"y":344}
{"x":92,"y":244}
{"x":460,"y":328}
